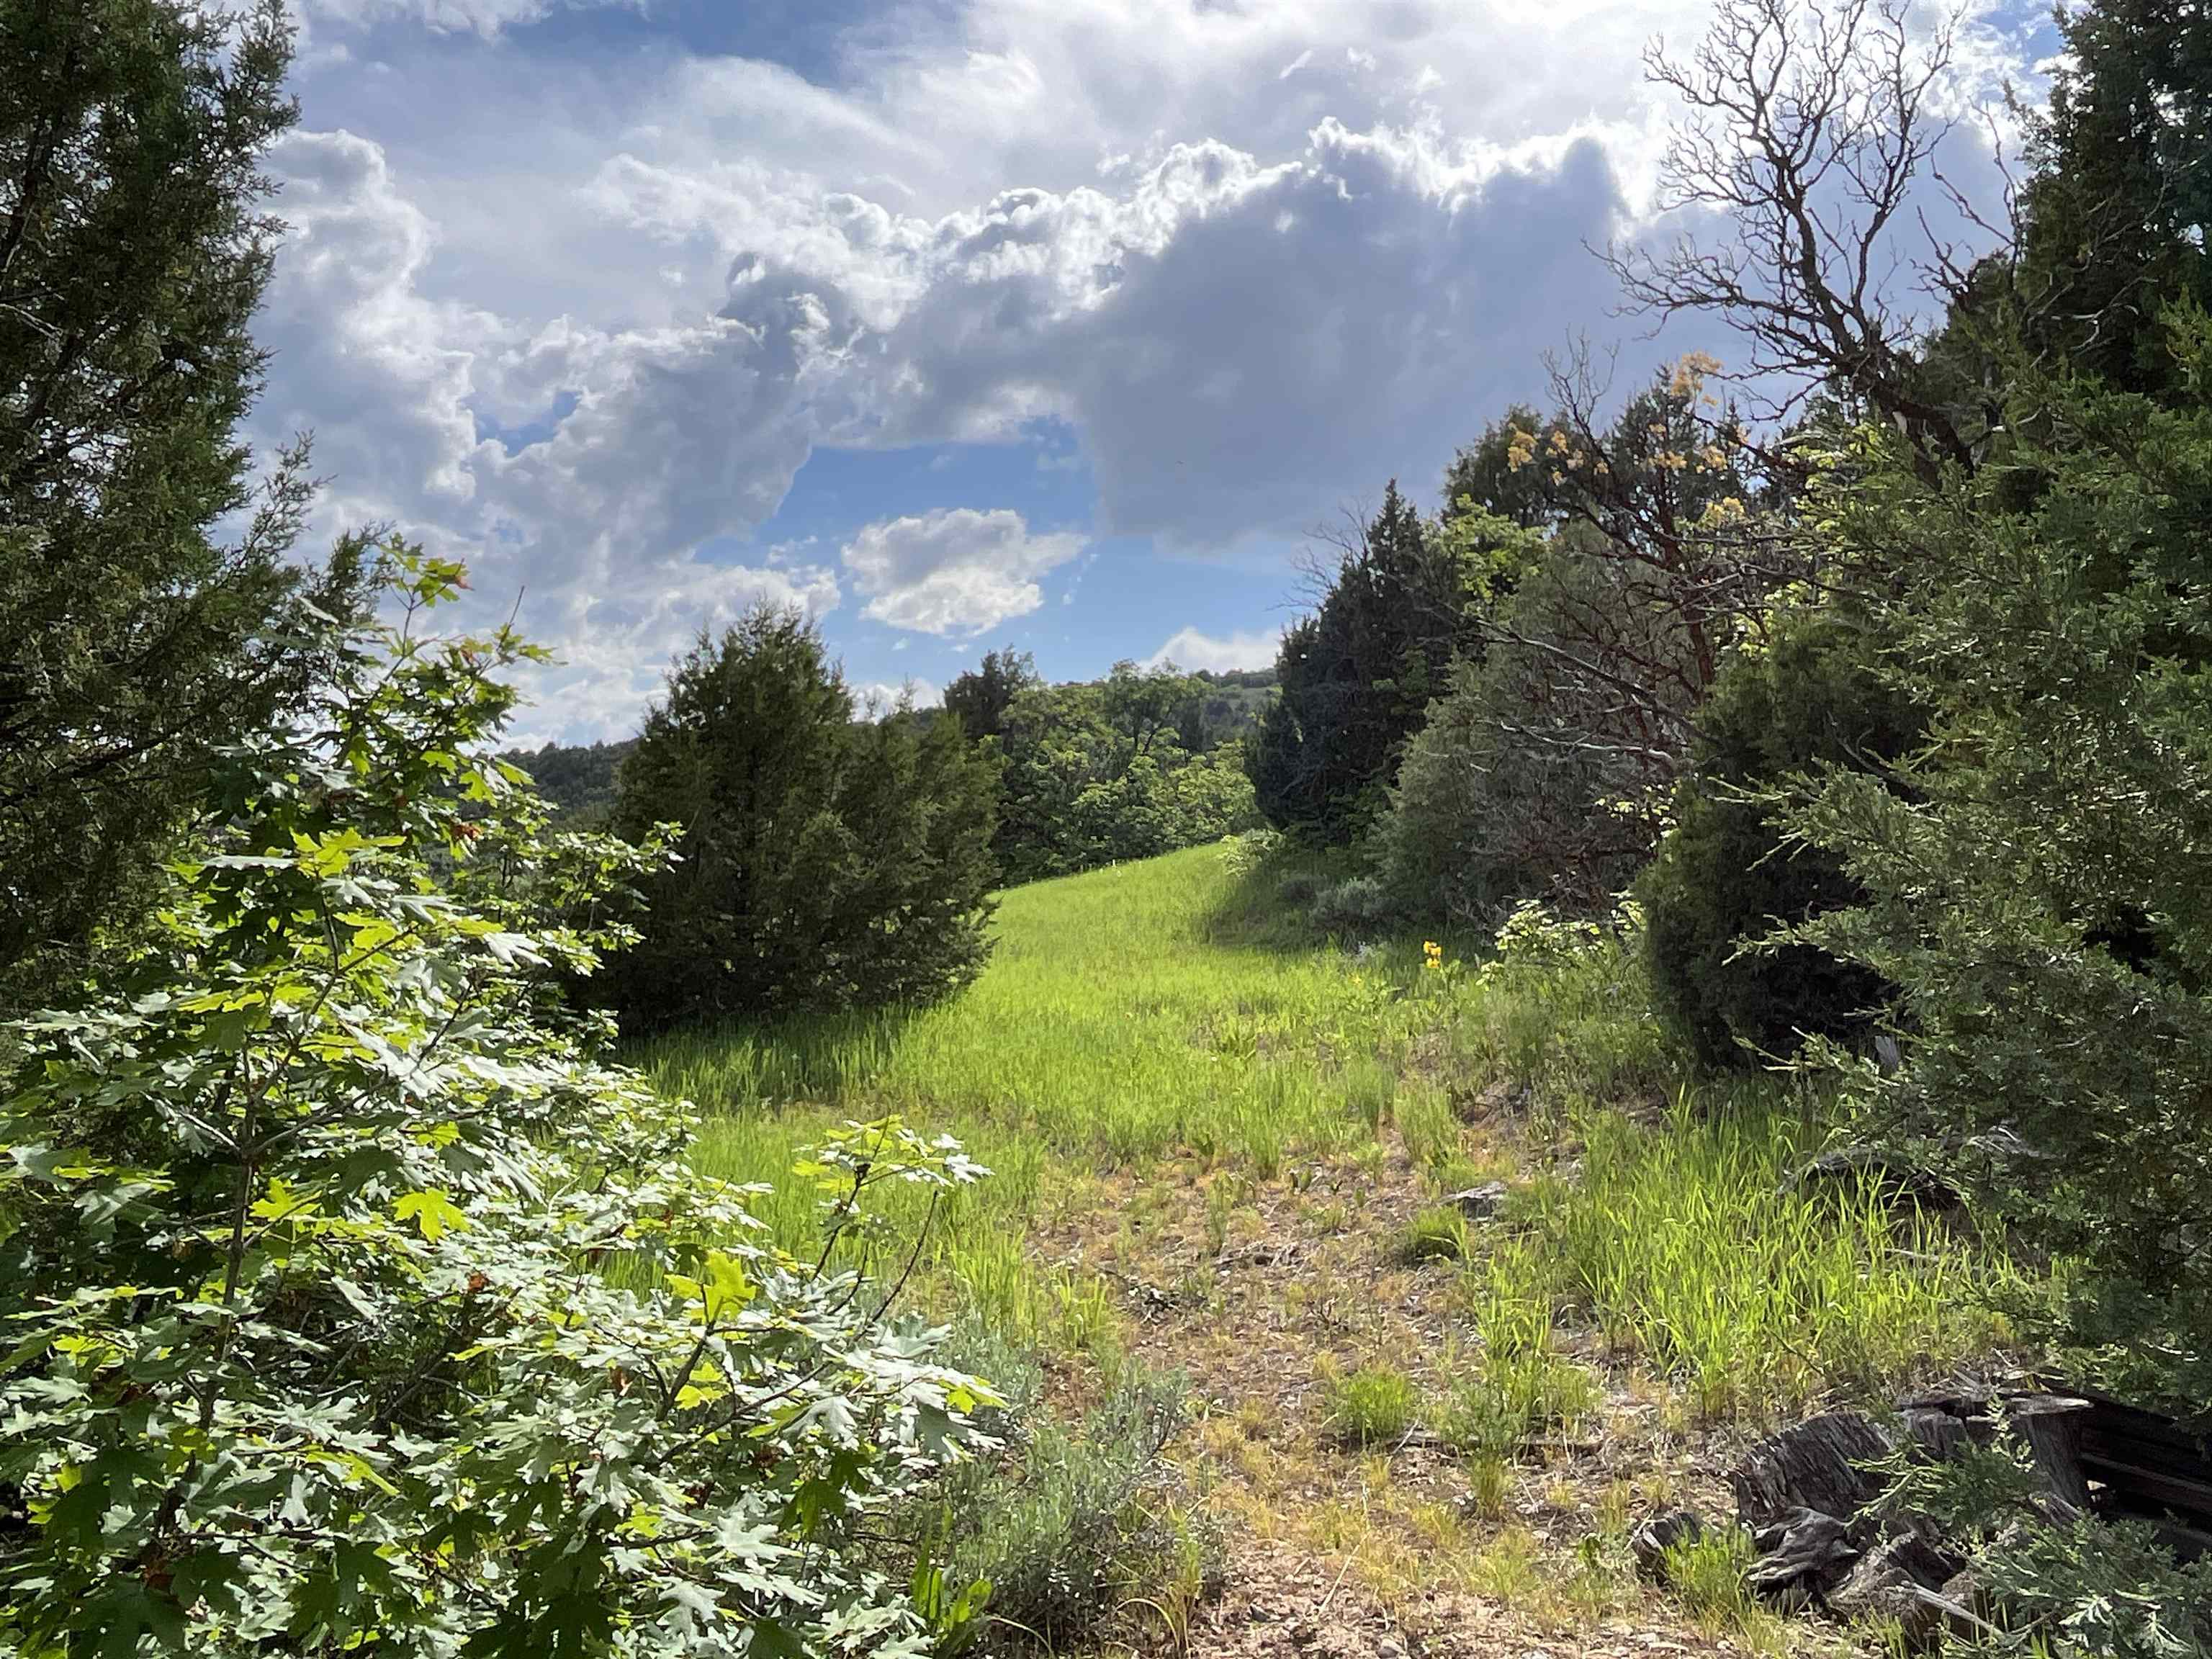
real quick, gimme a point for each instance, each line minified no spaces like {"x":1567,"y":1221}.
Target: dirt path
{"x":1259,"y":1294}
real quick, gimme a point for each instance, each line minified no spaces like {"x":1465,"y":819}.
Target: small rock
{"x":1479,"y":1203}
{"x":1650,"y":1542}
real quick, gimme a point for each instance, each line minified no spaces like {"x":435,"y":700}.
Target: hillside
{"x":578,"y":779}
{"x":1403,"y":1422}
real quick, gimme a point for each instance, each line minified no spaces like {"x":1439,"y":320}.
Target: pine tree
{"x":823,"y":861}
{"x":133,"y":251}
{"x":2117,"y":222}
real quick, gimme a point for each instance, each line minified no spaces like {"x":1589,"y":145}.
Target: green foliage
{"x":980,"y":697}
{"x":1601,"y":624}
{"x":1488,"y":812}
{"x":2037,"y":880}
{"x":1709,"y":1573}
{"x":1373,"y":1405}
{"x":1172,"y":1029}
{"x":1685,"y":1245}
{"x":1437,"y":1233}
{"x":823,"y":861}
{"x":1522,"y":1388}
{"x":577,"y":780}
{"x":1072,"y":1523}
{"x":133,"y":250}
{"x":309,"y":1229}
{"x":1099,"y":773}
{"x":2115,"y":220}
{"x":2081,"y":1588}
{"x":1356,"y":908}
{"x":1724,"y":878}
{"x":1358,"y":674}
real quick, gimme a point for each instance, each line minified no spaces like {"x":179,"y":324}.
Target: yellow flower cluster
{"x":1432,"y":955}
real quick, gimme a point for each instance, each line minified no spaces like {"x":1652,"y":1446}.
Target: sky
{"x":1060,"y":326}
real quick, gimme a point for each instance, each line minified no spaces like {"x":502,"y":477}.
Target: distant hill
{"x":577,"y":778}
{"x":1236,"y":699}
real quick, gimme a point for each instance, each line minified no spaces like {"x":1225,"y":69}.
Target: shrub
{"x":1352,"y":908}
{"x":309,"y":1231}
{"x":823,"y":861}
{"x":1073,"y":1521}
{"x":2038,"y":886}
{"x":2087,"y":1587}
{"x":1725,"y":877}
{"x":1516,"y":788}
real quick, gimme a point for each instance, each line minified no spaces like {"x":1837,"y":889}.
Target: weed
{"x":1370,"y":1088}
{"x":1438,"y":1233}
{"x":1224,"y":1197}
{"x":1090,"y":1319}
{"x":1074,"y":1523}
{"x":1374,"y":1405}
{"x":1430,"y":1130}
{"x":1707,"y":1575}
{"x":1489,"y":1480}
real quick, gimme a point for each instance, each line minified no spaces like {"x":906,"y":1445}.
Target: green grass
{"x":1167,"y":1009}
{"x":1682,"y":1242}
{"x":1128,"y":1014}
{"x":1374,"y":1405}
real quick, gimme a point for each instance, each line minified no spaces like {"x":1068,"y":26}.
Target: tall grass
{"x":1115,"y":1024}
{"x":1686,"y":1245}
{"x":1162,"y":1009}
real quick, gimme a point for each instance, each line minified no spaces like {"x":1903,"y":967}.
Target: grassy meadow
{"x":1222,"y":1147}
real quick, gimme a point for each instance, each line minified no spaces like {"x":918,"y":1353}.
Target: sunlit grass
{"x":1158,"y":1010}
{"x":1120,"y":1020}
{"x":1686,"y":1245}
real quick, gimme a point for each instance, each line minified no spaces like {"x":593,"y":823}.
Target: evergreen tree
{"x":133,"y":251}
{"x":1357,"y":676}
{"x":2038,"y":873}
{"x":823,"y":861}
{"x":979,"y":697}
{"x":2117,"y":222}
{"x":1725,"y":876}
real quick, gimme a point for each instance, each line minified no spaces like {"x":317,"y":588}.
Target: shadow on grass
{"x":1268,"y":906}
{"x":1279,"y":904}
{"x":814,"y":1059}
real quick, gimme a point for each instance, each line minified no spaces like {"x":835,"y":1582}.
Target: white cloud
{"x":480,"y":17}
{"x":1191,"y":649}
{"x":879,"y":697}
{"x":953,"y":570}
{"x":1250,"y":298}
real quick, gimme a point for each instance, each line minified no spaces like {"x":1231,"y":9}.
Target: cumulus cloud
{"x":592,"y":361}
{"x":880,"y":697}
{"x":953,"y":570}
{"x":1193,"y":648}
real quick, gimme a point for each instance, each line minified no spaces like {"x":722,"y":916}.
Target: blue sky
{"x":1053,"y":324}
